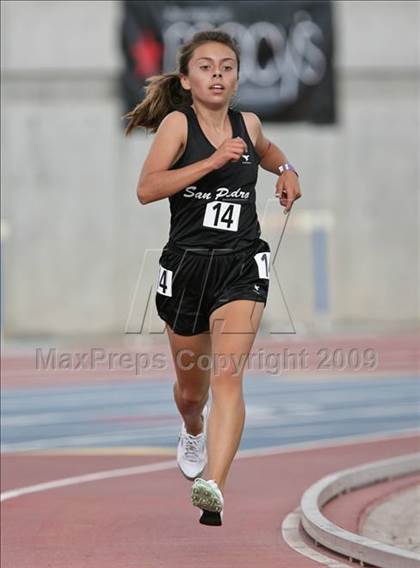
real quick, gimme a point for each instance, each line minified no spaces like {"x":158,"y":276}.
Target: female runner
{"x":214,"y":270}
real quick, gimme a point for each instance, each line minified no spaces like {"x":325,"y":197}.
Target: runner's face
{"x":212,"y":63}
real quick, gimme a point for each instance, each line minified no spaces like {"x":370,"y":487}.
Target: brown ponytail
{"x":164,"y":93}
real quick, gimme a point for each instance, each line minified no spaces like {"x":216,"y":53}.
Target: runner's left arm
{"x":287,"y":186}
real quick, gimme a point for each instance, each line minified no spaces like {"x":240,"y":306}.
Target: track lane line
{"x":161,"y":466}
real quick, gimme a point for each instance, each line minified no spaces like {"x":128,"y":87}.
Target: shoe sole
{"x":205,"y":499}
{"x":190,"y":478}
{"x":211,"y":518}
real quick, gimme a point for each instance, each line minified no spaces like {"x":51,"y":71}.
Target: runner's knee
{"x":227,"y":382}
{"x":190,"y":397}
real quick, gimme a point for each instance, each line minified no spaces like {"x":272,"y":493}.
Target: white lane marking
{"x":85,"y":478}
{"x":159,"y":466}
{"x":329,"y":443}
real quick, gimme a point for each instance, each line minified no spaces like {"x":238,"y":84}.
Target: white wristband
{"x":287,"y":167}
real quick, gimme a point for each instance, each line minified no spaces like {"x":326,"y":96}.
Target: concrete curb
{"x":352,"y":545}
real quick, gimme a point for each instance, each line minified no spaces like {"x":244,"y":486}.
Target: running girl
{"x":214,"y":269}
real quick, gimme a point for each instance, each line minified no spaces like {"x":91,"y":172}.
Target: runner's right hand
{"x":230,"y":151}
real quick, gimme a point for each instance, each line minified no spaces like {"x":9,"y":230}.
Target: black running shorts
{"x":192,"y":284}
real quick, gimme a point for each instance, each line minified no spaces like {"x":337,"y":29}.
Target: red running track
{"x":147,"y":521}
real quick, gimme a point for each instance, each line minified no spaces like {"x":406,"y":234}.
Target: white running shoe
{"x":192,"y":450}
{"x":207,"y":496}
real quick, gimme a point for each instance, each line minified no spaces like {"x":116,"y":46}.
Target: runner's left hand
{"x":288,"y":189}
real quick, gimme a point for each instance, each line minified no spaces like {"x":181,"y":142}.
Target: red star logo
{"x":146,"y":52}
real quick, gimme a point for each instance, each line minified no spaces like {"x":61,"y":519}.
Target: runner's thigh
{"x":233,"y":329}
{"x":192,"y":361}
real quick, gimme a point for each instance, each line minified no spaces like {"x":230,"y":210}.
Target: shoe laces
{"x":192,"y":446}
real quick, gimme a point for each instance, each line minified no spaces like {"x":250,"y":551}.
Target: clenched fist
{"x":230,"y":151}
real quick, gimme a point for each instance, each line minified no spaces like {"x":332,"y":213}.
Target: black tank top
{"x":218,"y":210}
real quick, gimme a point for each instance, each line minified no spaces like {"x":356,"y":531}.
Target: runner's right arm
{"x":156,"y":181}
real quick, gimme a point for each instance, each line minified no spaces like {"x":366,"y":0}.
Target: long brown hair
{"x":164,"y":93}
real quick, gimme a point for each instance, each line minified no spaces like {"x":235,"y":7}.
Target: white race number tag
{"x":164,"y":281}
{"x":222,"y":215}
{"x":263,"y":262}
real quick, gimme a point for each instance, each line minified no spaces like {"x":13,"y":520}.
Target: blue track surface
{"x":144,"y":413}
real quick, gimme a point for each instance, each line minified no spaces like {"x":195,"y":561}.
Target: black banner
{"x":286,"y":72}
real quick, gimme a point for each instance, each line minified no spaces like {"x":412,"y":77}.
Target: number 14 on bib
{"x":222,"y":215}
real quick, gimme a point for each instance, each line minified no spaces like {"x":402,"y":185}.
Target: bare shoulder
{"x":253,"y":125}
{"x":168,"y":143}
{"x":175,"y":123}
{"x":255,"y":131}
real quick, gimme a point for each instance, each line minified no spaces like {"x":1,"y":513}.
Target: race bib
{"x":164,"y":281}
{"x":263,"y":262}
{"x":222,"y":215}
